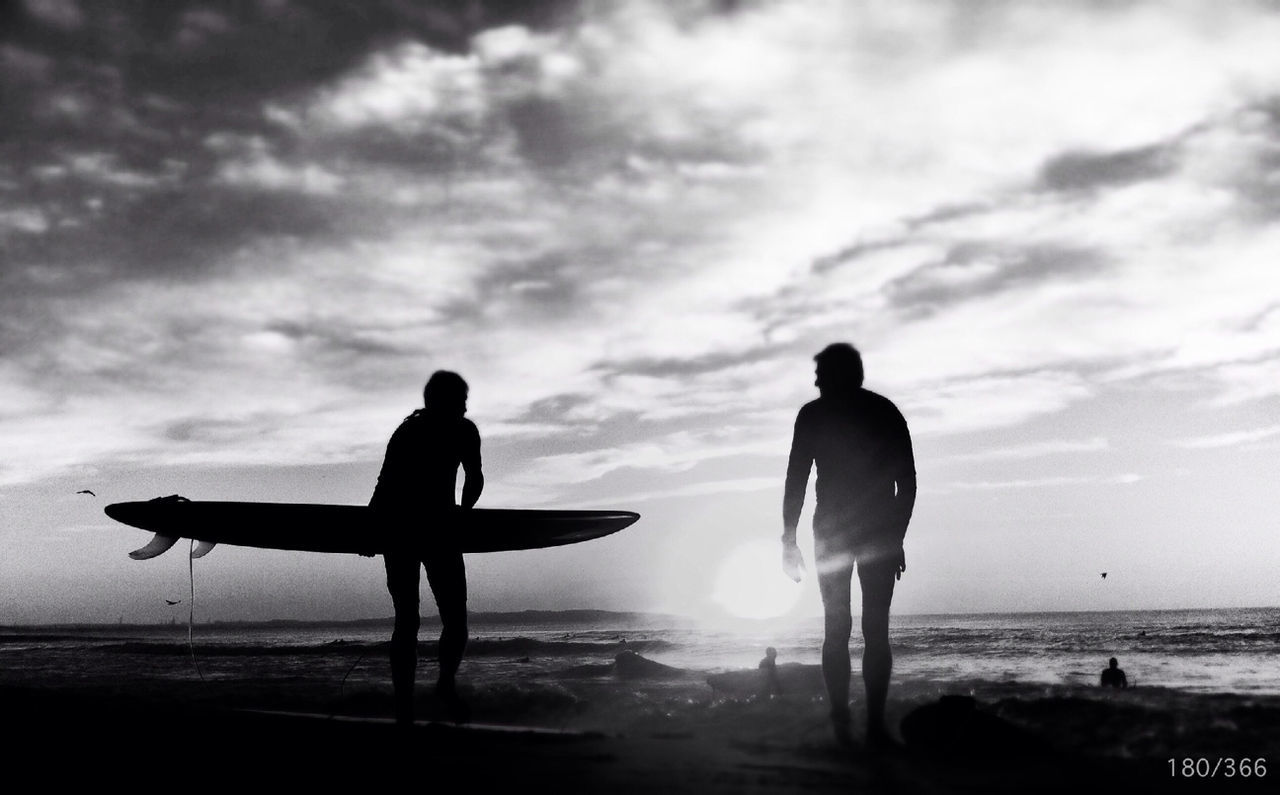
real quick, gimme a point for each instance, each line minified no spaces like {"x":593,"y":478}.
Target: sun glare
{"x":750,"y":583}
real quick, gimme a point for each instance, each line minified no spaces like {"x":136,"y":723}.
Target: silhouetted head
{"x":446,"y":391}
{"x":771,"y":652}
{"x":1112,"y":662}
{"x":839,"y":369}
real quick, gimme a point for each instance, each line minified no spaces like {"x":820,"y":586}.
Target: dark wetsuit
{"x":1113,"y":677}
{"x":415,"y":509}
{"x":866,"y":485}
{"x":866,"y":489}
{"x":771,"y":685}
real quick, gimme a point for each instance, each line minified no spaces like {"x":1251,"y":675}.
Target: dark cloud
{"x":174,"y":233}
{"x":946,"y":212}
{"x":1258,"y":184}
{"x":681,"y":368}
{"x":142,"y":87}
{"x":203,"y":429}
{"x":539,"y":287}
{"x":333,"y":340}
{"x":551,"y":133}
{"x":554,"y":409}
{"x":911,"y":226}
{"x":1077,"y":171}
{"x":851,"y":253}
{"x":972,"y":270}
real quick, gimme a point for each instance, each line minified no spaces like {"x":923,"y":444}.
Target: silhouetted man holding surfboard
{"x":866,"y":489}
{"x":414,"y":503}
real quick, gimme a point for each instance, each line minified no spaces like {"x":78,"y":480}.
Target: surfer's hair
{"x":841,"y":365}
{"x":445,"y":390}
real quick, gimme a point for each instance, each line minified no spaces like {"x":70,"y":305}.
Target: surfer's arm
{"x":473,"y":477}
{"x":798,"y":465}
{"x":905,"y":477}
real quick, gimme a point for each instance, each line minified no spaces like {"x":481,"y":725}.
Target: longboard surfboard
{"x":349,"y":528}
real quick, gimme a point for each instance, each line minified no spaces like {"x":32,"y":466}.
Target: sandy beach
{"x":615,"y":738}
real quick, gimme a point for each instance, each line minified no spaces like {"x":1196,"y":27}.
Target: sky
{"x":235,"y":239}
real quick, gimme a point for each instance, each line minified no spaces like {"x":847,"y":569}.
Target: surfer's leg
{"x":447,"y":575}
{"x":402,"y":582}
{"x":835,"y":585}
{"x":876,"y":577}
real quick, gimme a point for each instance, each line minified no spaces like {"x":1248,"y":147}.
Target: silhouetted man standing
{"x":866,"y":489}
{"x":415,"y":508}
{"x":1113,"y":675}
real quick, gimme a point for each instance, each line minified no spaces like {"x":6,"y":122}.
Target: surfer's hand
{"x":792,"y":560}
{"x":902,"y":563}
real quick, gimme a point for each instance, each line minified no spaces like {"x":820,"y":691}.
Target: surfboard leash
{"x":191,"y":609}
{"x":343,"y":684}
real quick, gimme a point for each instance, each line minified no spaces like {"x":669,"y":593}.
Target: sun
{"x":750,"y":582}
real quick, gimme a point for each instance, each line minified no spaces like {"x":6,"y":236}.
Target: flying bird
{"x":172,"y":602}
{"x":86,"y":491}
{"x":1104,"y":575}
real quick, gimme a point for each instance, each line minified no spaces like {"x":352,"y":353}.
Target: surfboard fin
{"x":203,"y":548}
{"x":158,"y":545}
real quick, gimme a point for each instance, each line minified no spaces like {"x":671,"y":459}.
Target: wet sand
{"x":160,"y":735}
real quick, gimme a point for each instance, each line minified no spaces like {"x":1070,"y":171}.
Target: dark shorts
{"x":874,"y":548}
{"x":838,"y":542}
{"x":420,"y":539}
{"x":446,"y":574}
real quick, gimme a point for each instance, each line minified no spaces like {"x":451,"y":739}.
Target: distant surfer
{"x":1113,"y":675}
{"x":865,"y":490}
{"x":769,"y":670}
{"x":415,"y":505}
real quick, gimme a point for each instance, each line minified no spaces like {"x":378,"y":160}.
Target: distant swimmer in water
{"x":769,"y":668}
{"x":865,"y":493}
{"x":1113,"y":676}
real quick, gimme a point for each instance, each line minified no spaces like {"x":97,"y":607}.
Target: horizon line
{"x":567,"y":611}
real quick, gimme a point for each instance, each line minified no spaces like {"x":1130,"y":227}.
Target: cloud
{"x":1036,"y":450}
{"x":673,"y":453}
{"x":703,"y":489}
{"x":1124,"y":479}
{"x":406,"y":89}
{"x":260,"y":169}
{"x":1085,"y":170}
{"x":631,"y":223}
{"x":1230,"y":439}
{"x":1246,"y":381}
{"x":64,"y":14}
{"x":994,"y":401}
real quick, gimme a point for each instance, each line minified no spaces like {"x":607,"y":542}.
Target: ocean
{"x":1195,"y":651}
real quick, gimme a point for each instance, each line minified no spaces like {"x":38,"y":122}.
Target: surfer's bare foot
{"x":455,"y":708}
{"x":881,"y":742}
{"x":404,"y":717}
{"x":840,"y":726}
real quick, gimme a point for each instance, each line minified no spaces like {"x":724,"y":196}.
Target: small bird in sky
{"x":86,"y":491}
{"x":1104,"y":575}
{"x":172,"y":602}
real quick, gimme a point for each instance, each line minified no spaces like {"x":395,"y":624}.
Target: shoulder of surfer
{"x":810,"y":410}
{"x":466,"y":429}
{"x":879,"y":404}
{"x":424,"y":422}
